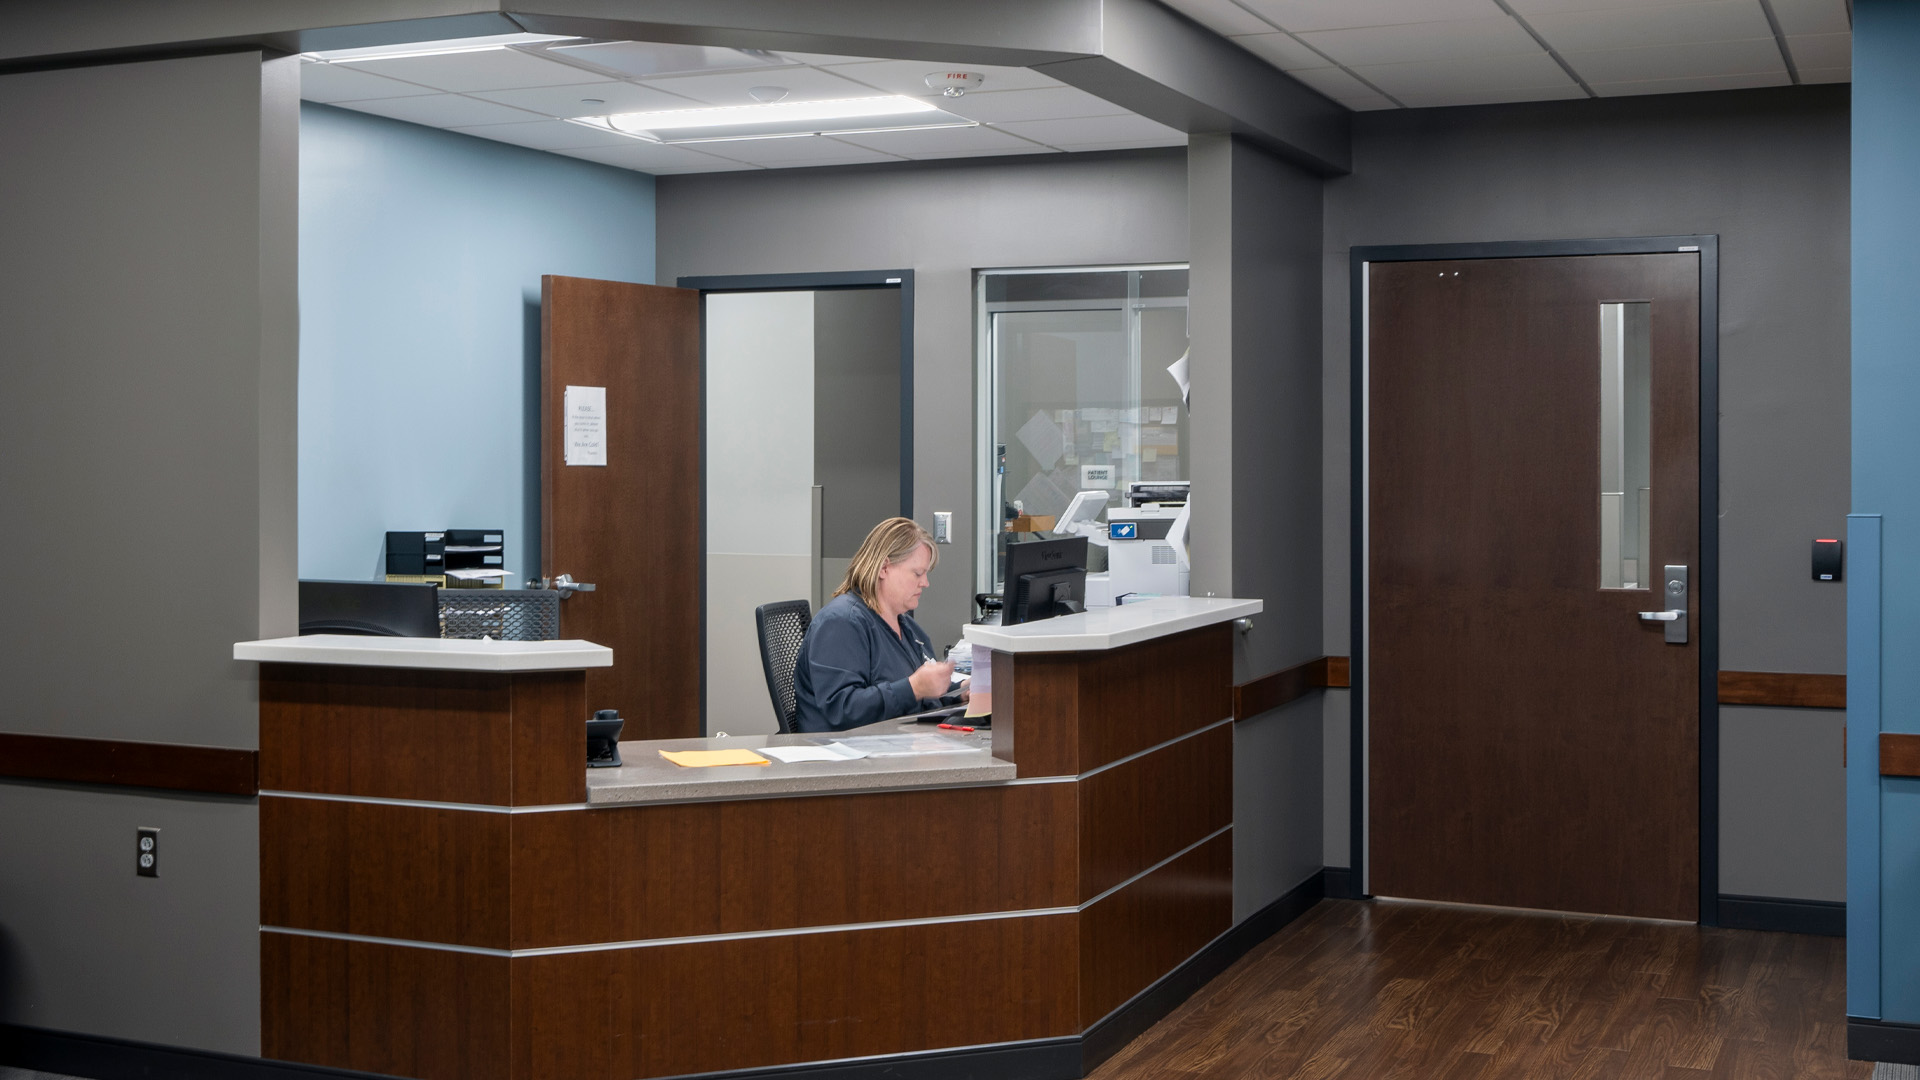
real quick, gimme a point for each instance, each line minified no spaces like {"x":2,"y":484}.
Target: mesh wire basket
{"x":501,"y":614}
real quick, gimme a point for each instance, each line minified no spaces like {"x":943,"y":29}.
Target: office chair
{"x":782,"y":627}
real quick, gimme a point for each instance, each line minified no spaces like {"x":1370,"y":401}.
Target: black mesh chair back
{"x":782,"y":627}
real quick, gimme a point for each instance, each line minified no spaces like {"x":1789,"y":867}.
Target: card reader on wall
{"x":1829,"y":558}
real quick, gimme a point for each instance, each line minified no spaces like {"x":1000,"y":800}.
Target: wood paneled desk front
{"x":445,"y":891}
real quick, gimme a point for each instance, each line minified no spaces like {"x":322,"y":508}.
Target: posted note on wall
{"x":585,"y":408}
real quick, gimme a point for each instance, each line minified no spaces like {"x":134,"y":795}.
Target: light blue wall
{"x":1884,"y":653}
{"x":421,"y":253}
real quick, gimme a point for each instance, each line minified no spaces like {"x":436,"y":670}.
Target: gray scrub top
{"x":853,"y":670}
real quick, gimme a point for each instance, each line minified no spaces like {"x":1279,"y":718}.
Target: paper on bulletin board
{"x":980,"y":686}
{"x":585,"y":408}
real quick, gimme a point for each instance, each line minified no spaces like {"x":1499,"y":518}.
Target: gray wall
{"x":1255,"y":296}
{"x":942,"y":220}
{"x":1767,"y":170}
{"x":147,"y":462}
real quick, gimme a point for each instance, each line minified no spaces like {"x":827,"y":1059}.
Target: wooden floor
{"x":1392,"y":989}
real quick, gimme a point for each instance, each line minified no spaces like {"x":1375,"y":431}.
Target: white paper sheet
{"x":831,"y":752}
{"x":1178,"y":369}
{"x":585,"y":408}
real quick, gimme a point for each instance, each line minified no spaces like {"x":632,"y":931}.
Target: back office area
{"x":248,"y":329}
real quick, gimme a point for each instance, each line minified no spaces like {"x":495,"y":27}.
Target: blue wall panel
{"x":1886,"y":445}
{"x":420,"y":260}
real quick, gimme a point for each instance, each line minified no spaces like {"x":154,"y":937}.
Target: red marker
{"x":954,"y":727}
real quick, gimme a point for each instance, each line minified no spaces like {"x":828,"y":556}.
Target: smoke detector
{"x":955,"y":83}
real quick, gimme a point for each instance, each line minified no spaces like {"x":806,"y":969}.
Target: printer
{"x":1145,"y":538}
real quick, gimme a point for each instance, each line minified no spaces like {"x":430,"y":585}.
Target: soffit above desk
{"x":432,"y":654}
{"x":1115,"y":627}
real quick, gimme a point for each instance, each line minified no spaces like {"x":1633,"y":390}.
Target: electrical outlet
{"x":943,"y":526}
{"x":147,"y":862}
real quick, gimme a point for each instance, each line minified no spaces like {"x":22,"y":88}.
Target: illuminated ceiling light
{"x":433,"y":48}
{"x":778,"y":119}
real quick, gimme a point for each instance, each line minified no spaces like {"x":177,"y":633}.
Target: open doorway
{"x":808,"y":443}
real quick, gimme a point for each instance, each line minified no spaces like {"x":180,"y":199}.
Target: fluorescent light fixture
{"x":488,"y":43}
{"x":778,"y":119}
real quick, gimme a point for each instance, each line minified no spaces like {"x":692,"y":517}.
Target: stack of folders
{"x":417,"y":558}
{"x":476,"y":559}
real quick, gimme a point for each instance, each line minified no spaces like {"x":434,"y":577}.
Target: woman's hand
{"x":932,"y":680}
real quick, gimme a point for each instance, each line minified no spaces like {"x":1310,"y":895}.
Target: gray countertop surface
{"x":646,"y":777}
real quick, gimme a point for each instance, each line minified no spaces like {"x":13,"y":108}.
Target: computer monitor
{"x":369,"y":608}
{"x":1044,"y":578}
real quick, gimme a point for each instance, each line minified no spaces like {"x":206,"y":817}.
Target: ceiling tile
{"x":1223,"y":17}
{"x":494,"y":69}
{"x":1755,"y":55}
{"x":340,"y":82}
{"x":441,"y":110}
{"x":811,"y":150}
{"x":1334,"y":82}
{"x":730,"y":88}
{"x":1511,"y":72}
{"x":1626,"y":28}
{"x":1527,"y":9}
{"x":1300,"y":16}
{"x":943,"y":155}
{"x":647,"y":157}
{"x":1690,"y":85}
{"x":1443,"y":98}
{"x":1281,"y":50}
{"x":1072,"y":134}
{"x":1812,"y":16}
{"x":913,"y":144}
{"x":910,"y":76}
{"x":1821,"y":50}
{"x":546,"y":135}
{"x":567,"y":100}
{"x":1826,"y":75}
{"x":1060,"y":102}
{"x":1410,"y":42}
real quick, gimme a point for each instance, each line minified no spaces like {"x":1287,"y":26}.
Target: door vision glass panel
{"x":1074,"y":393}
{"x":1626,"y":397}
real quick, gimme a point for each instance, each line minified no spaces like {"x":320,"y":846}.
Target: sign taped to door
{"x":585,"y":408}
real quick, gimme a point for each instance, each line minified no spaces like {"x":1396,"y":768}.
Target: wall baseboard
{"x":1827,"y":918}
{"x":100,"y":1058}
{"x":1877,"y":1040}
{"x":1337,"y":883}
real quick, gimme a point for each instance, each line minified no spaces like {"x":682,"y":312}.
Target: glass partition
{"x":1074,"y":394}
{"x":1626,"y":399}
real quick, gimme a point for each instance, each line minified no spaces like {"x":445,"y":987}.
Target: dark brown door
{"x":630,"y":527}
{"x":1533,"y":742}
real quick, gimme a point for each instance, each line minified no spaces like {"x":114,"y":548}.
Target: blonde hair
{"x":889,"y":542}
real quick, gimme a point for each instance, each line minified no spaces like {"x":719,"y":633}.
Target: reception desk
{"x":448,"y":891}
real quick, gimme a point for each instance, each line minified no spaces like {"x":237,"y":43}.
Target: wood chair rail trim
{"x":213,"y":770}
{"x":1782,"y":689}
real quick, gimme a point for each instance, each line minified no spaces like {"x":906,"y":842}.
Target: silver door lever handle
{"x":1662,"y":616}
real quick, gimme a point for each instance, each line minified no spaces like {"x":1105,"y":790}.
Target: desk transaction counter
{"x":447,"y":891}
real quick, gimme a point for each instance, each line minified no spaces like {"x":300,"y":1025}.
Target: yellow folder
{"x":700,"y":759}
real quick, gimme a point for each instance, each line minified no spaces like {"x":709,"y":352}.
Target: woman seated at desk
{"x":864,"y":659}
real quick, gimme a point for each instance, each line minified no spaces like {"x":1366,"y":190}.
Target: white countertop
{"x":438,"y":654}
{"x":1112,"y":627}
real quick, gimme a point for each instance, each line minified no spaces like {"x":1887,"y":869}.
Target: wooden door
{"x":631,"y":527}
{"x":1532,"y":741}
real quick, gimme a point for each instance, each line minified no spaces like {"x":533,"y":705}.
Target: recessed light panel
{"x":779,"y":119}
